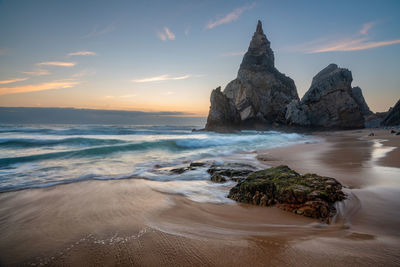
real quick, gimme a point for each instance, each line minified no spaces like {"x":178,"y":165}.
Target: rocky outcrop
{"x":308,"y":195}
{"x":260,"y":93}
{"x":223,"y":115}
{"x":230,"y":171}
{"x":219,"y":172}
{"x":262,"y":96}
{"x":357,"y":95}
{"x":393,"y":116}
{"x":329,"y":103}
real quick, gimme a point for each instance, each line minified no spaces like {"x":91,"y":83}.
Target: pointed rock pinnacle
{"x":259,"y":28}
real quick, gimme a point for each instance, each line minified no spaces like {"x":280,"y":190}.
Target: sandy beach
{"x":130,"y":222}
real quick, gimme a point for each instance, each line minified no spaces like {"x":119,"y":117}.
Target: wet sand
{"x":128,"y":222}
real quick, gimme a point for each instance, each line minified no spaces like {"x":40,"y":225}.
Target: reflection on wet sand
{"x":347,"y":153}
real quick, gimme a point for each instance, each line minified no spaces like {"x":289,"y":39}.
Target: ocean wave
{"x":102,"y":148}
{"x":236,"y":139}
{"x":78,"y":141}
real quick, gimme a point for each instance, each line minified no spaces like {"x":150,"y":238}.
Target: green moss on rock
{"x":309,"y":194}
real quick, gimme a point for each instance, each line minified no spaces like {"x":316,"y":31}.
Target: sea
{"x":36,"y":156}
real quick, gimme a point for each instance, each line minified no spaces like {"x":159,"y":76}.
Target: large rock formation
{"x":260,"y":93}
{"x":329,"y":103}
{"x":393,"y":116}
{"x":223,"y":115}
{"x":262,"y":96}
{"x":359,"y":98}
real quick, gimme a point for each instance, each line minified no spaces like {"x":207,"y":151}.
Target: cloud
{"x":166,"y":35}
{"x":162,"y":36}
{"x":352,"y":45}
{"x":164,"y":77}
{"x":366,"y":27}
{"x":38,"y":87}
{"x":3,"y":51}
{"x":82,"y":53}
{"x":14,"y":80}
{"x":39,"y":72}
{"x":359,"y":41}
{"x":234,"y":15}
{"x":57,"y":63}
{"x":232,"y":54}
{"x":83,"y":73}
{"x":96,"y":32}
{"x":169,"y":34}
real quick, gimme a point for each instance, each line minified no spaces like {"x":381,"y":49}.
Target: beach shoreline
{"x":128,"y":222}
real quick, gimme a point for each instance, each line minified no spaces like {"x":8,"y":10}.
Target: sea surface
{"x":45,"y":155}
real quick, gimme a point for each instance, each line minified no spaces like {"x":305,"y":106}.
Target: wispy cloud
{"x":82,"y":53}
{"x":366,"y":27}
{"x":98,"y":32}
{"x":234,"y":15}
{"x":38,"y":87}
{"x":57,"y":63}
{"x":166,"y":34}
{"x":13,"y":80}
{"x":232,"y":54}
{"x":353,"y":45}
{"x":164,"y":77}
{"x":359,"y":41}
{"x":3,"y":51}
{"x":83,"y":73}
{"x":39,"y":72}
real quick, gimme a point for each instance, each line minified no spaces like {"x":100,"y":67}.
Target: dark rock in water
{"x":178,"y":170}
{"x":371,"y":134}
{"x":392,"y":131}
{"x":192,"y":166}
{"x":393,"y":116}
{"x":217,"y":178}
{"x":329,"y":102}
{"x":359,"y":98}
{"x":223,"y":116}
{"x":232,"y":171}
{"x":197,"y":164}
{"x":259,"y":94}
{"x":309,"y":195}
{"x":398,"y":133}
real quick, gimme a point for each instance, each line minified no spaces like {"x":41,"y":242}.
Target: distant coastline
{"x":39,"y":115}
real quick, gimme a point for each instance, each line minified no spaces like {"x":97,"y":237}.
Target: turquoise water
{"x":44,"y":155}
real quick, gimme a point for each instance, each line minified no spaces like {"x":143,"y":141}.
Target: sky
{"x":158,"y":56}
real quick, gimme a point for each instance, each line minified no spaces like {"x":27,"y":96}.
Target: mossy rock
{"x":309,"y":194}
